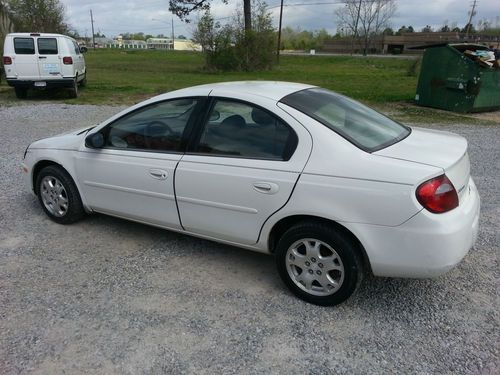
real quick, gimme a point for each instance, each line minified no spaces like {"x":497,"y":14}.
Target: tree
{"x":366,"y":18}
{"x":427,"y":29}
{"x":403,"y":29}
{"x":38,"y":16}
{"x":182,"y":8}
{"x":388,"y":31}
{"x":232,"y":47}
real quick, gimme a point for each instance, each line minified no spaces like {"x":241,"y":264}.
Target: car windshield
{"x":362,"y":126}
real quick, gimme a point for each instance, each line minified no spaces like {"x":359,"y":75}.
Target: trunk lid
{"x":440,"y":149}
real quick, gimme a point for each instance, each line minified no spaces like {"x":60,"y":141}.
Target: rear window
{"x":24,"y":46}
{"x":47,"y":46}
{"x":364,"y":127}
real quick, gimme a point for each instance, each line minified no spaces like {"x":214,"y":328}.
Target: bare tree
{"x":182,"y":8}
{"x":365,"y":18}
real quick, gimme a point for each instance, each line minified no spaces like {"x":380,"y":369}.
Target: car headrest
{"x":234,"y":121}
{"x":261,"y":117}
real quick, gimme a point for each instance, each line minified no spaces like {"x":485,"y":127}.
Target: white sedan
{"x":328,"y":186}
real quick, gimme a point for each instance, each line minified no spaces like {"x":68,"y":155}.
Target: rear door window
{"x":24,"y":46}
{"x":47,"y":46}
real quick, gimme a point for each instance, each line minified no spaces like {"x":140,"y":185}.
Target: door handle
{"x":42,"y":57}
{"x":159,"y":174}
{"x":266,"y":187}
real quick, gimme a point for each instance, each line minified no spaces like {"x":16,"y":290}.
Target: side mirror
{"x":83,"y":49}
{"x":95,"y":140}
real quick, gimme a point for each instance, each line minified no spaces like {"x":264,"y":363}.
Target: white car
{"x":40,"y":60}
{"x":327,"y":185}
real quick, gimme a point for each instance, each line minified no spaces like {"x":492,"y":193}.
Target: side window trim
{"x":188,"y":128}
{"x":203,"y":123}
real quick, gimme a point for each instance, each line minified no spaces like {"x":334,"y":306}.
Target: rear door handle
{"x":42,"y":57}
{"x":266,"y":187}
{"x":159,"y":174}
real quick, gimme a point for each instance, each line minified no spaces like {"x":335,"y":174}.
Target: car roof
{"x":275,"y":90}
{"x":36,"y":34}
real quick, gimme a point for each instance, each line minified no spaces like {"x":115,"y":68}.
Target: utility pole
{"x":173,"y":35}
{"x":279,"y":34}
{"x":356,"y":27}
{"x":472,"y":14}
{"x":92,"y":22}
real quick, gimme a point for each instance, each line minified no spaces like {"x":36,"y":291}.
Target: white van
{"x":36,"y":60}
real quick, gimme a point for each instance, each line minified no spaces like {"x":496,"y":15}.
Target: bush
{"x":232,"y":48}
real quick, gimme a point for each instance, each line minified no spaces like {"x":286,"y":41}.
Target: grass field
{"x":127,"y":77}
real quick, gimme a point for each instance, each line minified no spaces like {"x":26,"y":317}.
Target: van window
{"x":24,"y":46}
{"x":76,"y":47}
{"x":47,"y":46}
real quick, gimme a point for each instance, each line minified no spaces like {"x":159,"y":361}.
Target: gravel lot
{"x":110,"y":296}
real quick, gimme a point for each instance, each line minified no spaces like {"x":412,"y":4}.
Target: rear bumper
{"x":50,"y":83}
{"x":427,"y":245}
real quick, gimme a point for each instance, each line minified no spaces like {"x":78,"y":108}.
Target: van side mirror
{"x":83,"y":49}
{"x":95,"y":140}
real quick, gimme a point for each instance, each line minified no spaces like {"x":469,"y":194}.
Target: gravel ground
{"x":110,"y":296}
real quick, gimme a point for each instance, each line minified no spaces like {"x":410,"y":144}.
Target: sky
{"x":112,"y":17}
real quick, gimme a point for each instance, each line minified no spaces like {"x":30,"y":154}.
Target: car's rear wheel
{"x":59,"y":195}
{"x":318,"y":263}
{"x":21,"y":92}
{"x":73,"y":91}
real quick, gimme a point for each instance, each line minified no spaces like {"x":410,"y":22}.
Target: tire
{"x":319,"y":264}
{"x":73,"y":91}
{"x":21,"y":92}
{"x":83,"y":82}
{"x":58,"y":195}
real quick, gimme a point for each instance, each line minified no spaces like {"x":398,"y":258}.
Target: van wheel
{"x":73,"y":91}
{"x":21,"y":92}
{"x":318,"y":263}
{"x":83,"y":82}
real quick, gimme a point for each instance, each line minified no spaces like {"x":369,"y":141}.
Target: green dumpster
{"x":451,"y":80}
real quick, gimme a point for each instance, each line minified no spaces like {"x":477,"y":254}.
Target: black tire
{"x":21,"y":92}
{"x":83,"y":82}
{"x":74,"y":210}
{"x":347,"y":256}
{"x":73,"y":91}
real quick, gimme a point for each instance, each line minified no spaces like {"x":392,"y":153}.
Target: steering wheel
{"x":156,"y":130}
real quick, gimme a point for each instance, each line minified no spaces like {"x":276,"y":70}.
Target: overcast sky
{"x":113,"y":17}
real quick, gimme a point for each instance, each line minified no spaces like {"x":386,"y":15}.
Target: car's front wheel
{"x":318,"y":263}
{"x":59,"y":195}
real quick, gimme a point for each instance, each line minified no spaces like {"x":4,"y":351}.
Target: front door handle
{"x":159,"y":174}
{"x":266,"y":187}
{"x":42,"y":57}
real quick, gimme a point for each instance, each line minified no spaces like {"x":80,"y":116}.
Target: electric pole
{"x":472,"y":14}
{"x":92,"y":22}
{"x":173,"y":35}
{"x":356,"y":27}
{"x":279,"y":34}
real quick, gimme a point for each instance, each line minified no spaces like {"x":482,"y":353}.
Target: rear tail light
{"x":437,"y":195}
{"x":7,"y":60}
{"x":67,"y":60}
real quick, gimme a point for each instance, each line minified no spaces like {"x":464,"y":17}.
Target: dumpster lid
{"x":459,"y":46}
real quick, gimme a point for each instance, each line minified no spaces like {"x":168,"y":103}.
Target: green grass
{"x":127,"y":77}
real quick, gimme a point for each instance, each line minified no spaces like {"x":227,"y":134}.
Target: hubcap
{"x":54,"y":196}
{"x":315,"y":267}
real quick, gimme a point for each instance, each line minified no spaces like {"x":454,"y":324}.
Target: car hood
{"x":65,"y":141}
